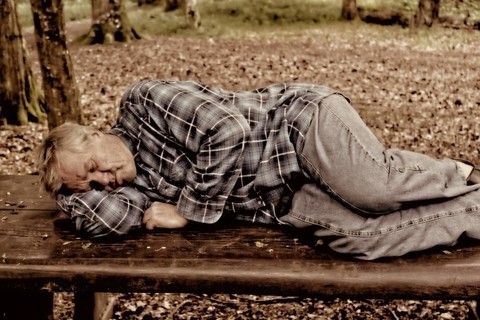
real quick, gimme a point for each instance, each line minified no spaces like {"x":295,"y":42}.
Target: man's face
{"x":106,"y":164}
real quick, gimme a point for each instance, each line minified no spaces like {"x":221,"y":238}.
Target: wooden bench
{"x":41,"y":254}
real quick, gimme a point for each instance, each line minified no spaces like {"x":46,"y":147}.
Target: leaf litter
{"x":420,"y":95}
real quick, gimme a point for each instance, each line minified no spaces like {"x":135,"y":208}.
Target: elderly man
{"x":294,"y":154}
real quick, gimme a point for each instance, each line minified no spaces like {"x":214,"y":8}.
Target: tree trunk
{"x":110,"y":23}
{"x":171,"y":5}
{"x":148,"y":2}
{"x":349,"y":9}
{"x":192,"y":14}
{"x":20,"y":99}
{"x":59,"y":86}
{"x":427,"y":12}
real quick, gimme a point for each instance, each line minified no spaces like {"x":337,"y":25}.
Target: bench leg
{"x":28,"y":305}
{"x":476,"y":311}
{"x":93,"y":306}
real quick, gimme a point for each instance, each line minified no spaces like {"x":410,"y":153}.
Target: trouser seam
{"x":339,"y":119}
{"x":330,"y":189}
{"x":384,"y":231}
{"x":327,"y":104}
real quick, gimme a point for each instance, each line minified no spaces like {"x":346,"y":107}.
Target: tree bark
{"x":59,"y":85}
{"x":192,"y":14}
{"x":20,"y":99}
{"x":349,"y":9}
{"x":171,"y":5}
{"x":148,"y":2}
{"x":110,"y":23}
{"x":427,"y":13}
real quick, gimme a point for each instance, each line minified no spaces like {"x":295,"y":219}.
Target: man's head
{"x":75,"y":158}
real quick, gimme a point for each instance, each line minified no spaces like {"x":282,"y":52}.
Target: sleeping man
{"x":290,"y":154}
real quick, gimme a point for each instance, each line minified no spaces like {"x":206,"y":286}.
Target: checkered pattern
{"x":211,"y":152}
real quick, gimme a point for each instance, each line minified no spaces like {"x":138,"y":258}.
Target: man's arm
{"x":101,"y":213}
{"x":212,"y":134}
{"x":218,"y":164}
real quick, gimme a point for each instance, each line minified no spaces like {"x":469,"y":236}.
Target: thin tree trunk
{"x":349,"y":9}
{"x":192,"y":14}
{"x":59,"y":86}
{"x":110,"y":23}
{"x":20,"y":99}
{"x":427,"y":13}
{"x":171,"y":5}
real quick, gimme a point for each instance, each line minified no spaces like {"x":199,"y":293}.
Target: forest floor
{"x":416,"y":89}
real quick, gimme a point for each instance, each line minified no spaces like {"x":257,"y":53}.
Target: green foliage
{"x":408,"y":7}
{"x":74,"y":10}
{"x":237,"y":16}
{"x":218,"y":16}
{"x":394,"y":5}
{"x":232,"y":16}
{"x":24,"y":13}
{"x":155,"y":20}
{"x":272,"y":12}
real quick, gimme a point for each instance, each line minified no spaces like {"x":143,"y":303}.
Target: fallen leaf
{"x":259,"y":244}
{"x":85,"y":246}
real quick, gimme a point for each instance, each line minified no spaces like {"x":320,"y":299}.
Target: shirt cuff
{"x":204,"y":211}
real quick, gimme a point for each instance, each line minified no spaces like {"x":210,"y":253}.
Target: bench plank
{"x":41,"y":252}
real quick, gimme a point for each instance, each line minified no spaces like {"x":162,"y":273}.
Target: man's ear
{"x":95,"y":134}
{"x":94,"y":137}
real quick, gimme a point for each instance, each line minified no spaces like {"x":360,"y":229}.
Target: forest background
{"x":417,"y":88}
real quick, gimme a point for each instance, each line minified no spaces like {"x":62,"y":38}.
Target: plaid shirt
{"x":211,"y":152}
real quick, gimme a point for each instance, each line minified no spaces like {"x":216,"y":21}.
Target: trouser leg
{"x":393,"y":234}
{"x":346,"y":159}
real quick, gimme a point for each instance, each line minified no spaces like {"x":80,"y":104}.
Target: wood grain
{"x":41,"y":252}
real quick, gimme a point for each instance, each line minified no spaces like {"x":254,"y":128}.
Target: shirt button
{"x":260,"y":202}
{"x":227,"y":207}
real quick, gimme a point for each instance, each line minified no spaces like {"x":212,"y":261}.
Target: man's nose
{"x":101,"y":178}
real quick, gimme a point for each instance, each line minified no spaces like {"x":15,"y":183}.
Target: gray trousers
{"x":376,"y":202}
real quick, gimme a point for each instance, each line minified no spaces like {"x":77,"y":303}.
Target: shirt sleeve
{"x":217,"y":166}
{"x":101,"y":213}
{"x":212,"y":134}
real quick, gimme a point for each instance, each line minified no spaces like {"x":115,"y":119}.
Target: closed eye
{"x":78,"y":186}
{"x":96,"y":186}
{"x":92,"y":166}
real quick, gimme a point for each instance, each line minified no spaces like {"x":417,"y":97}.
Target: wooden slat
{"x":18,"y":192}
{"x":41,"y":252}
{"x":284,"y":277}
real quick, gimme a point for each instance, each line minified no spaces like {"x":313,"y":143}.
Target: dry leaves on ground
{"x":415,"y":91}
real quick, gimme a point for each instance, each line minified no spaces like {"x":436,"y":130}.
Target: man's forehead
{"x":72,"y":165}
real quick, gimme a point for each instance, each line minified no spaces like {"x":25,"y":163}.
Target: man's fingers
{"x":146,"y":216}
{"x":163,"y":215}
{"x":150,"y":225}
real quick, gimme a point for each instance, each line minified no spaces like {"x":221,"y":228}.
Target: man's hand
{"x":163,"y":215}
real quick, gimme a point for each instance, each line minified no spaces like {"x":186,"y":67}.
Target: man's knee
{"x":378,"y":200}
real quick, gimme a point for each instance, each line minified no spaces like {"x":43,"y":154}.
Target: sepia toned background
{"x":414,"y":79}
